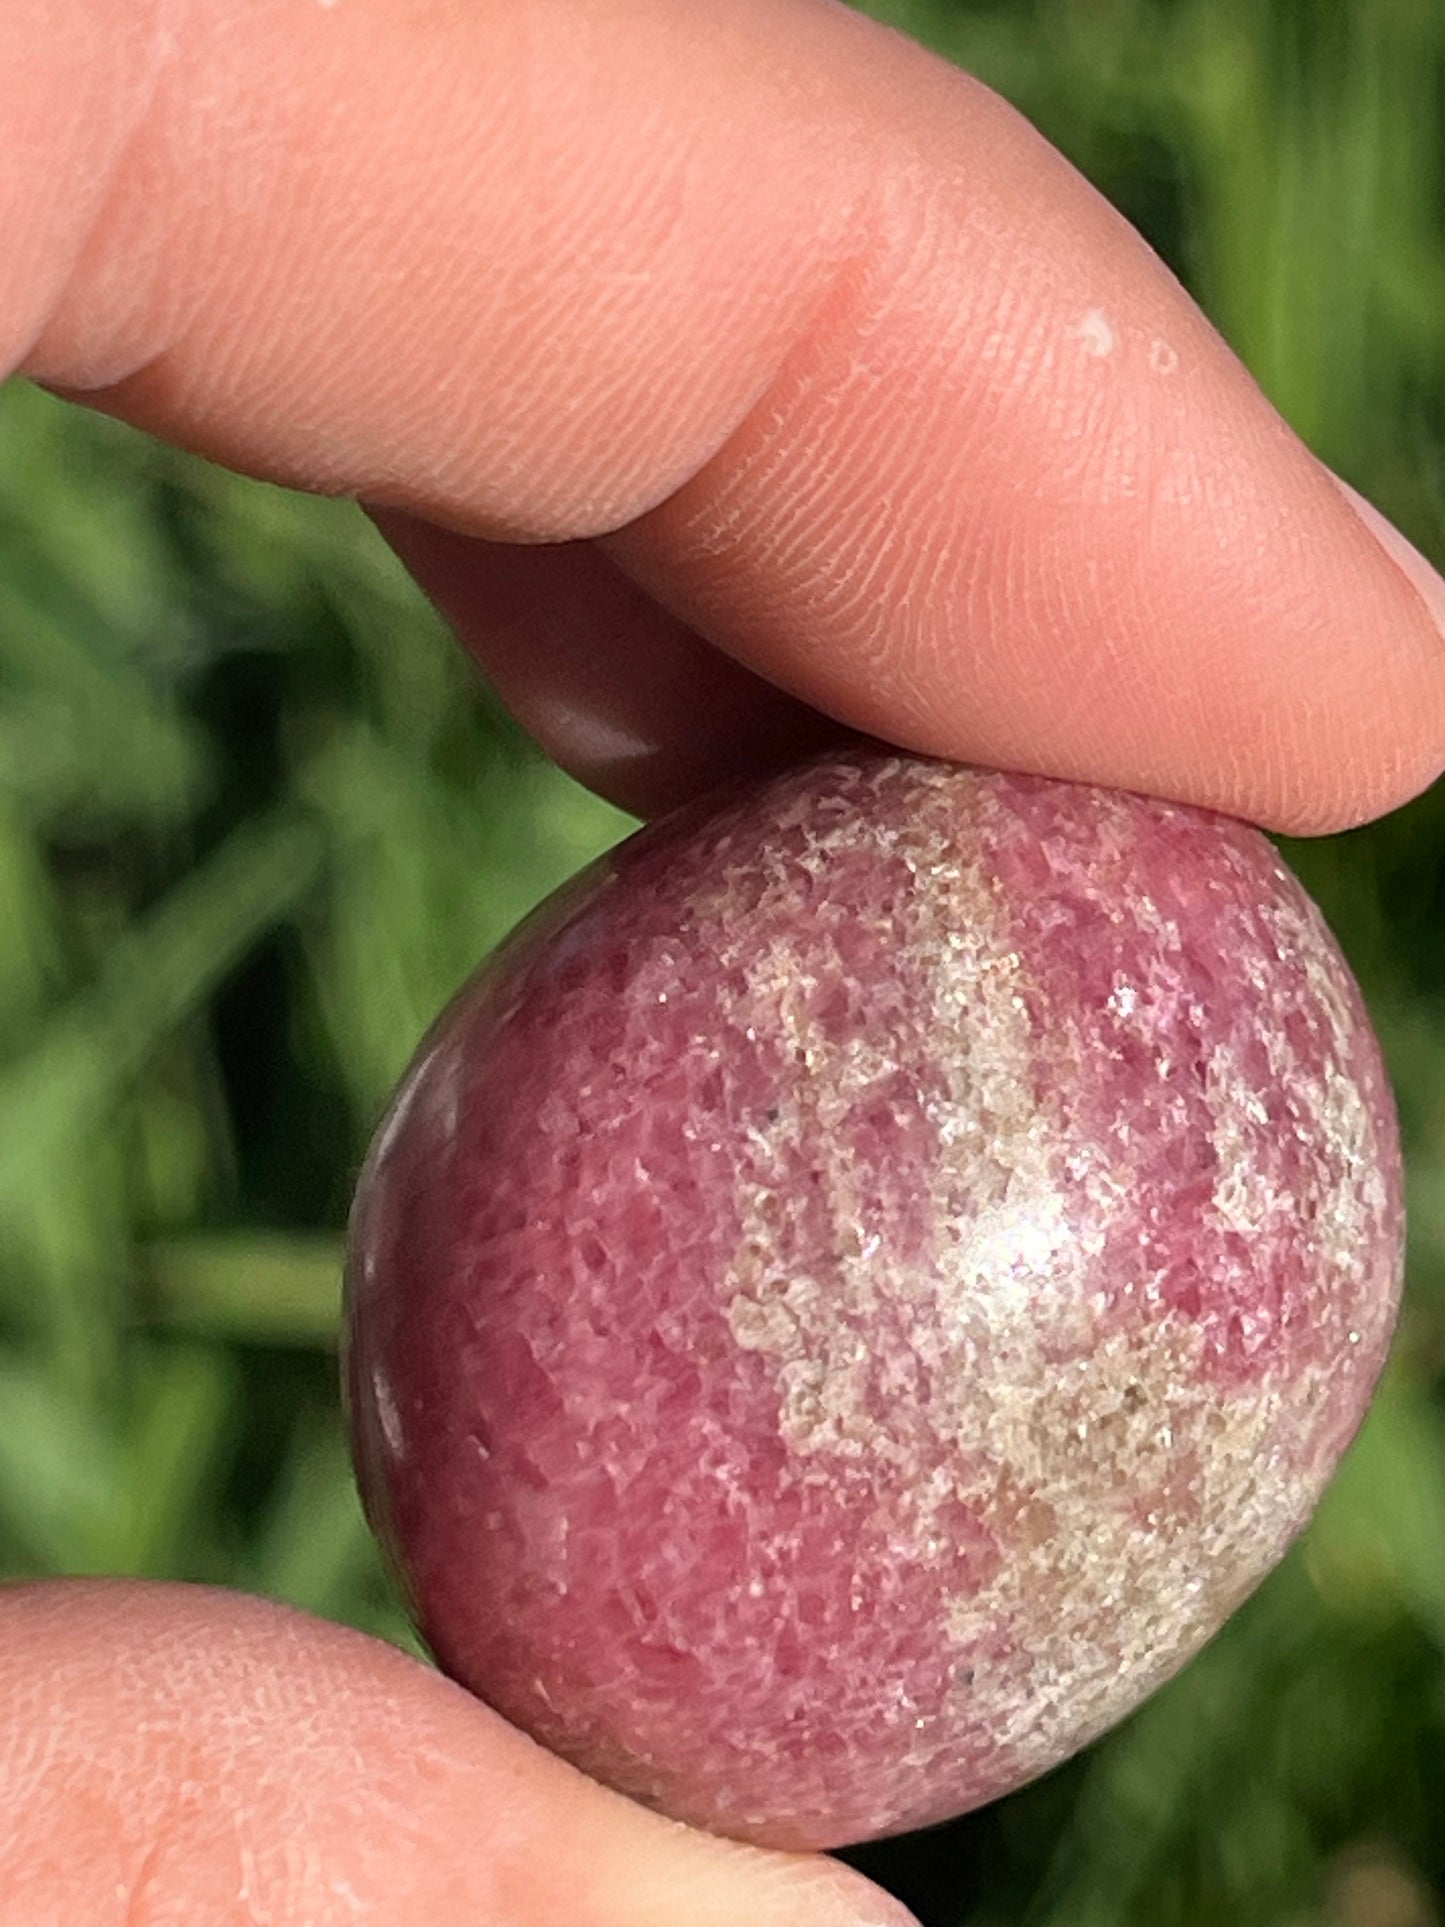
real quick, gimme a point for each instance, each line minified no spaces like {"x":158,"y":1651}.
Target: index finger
{"x":835,"y":356}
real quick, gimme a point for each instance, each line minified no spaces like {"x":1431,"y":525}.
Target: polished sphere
{"x":858,"y":1290}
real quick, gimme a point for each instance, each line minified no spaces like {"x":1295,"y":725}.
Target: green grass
{"x":257,"y":821}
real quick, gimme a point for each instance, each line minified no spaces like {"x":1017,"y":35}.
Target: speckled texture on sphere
{"x":866,"y":1282}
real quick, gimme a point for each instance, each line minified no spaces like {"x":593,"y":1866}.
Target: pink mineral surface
{"x":864,"y":1284}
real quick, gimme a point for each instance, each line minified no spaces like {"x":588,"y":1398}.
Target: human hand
{"x":828,"y":376}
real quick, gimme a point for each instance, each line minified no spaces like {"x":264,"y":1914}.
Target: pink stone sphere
{"x":865,"y":1282}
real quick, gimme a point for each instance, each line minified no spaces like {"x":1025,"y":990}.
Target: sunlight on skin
{"x":836,"y":381}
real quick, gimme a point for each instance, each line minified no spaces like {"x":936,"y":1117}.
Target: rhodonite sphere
{"x":863,"y":1284}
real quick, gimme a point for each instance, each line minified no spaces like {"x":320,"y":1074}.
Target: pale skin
{"x":719,"y":371}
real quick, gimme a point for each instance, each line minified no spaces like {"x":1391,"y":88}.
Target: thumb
{"x":174,"y":1753}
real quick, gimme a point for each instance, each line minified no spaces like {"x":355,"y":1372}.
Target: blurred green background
{"x":257,"y":821}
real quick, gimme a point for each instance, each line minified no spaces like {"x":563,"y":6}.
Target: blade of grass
{"x":59,"y":1472}
{"x":63,"y":1088}
{"x":256,"y":1288}
{"x":184,"y":1401}
{"x":314,"y":1547}
{"x":112,"y":716}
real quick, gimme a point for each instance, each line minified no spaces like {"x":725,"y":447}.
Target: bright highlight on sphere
{"x":858,"y":1290}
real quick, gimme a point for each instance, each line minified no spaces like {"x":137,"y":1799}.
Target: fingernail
{"x":883,"y":1912}
{"x":827,"y":1893}
{"x":858,"y":1902}
{"x":873,"y":1908}
{"x":1421,"y":575}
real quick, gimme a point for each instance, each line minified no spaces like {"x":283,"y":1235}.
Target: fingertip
{"x":1145,"y":582}
{"x":1370,"y":716}
{"x":166,"y":1747}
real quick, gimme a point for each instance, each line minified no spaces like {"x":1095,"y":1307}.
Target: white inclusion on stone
{"x":1163,"y":357}
{"x":1124,"y":1000}
{"x":1244,"y":1197}
{"x":1095,"y":334}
